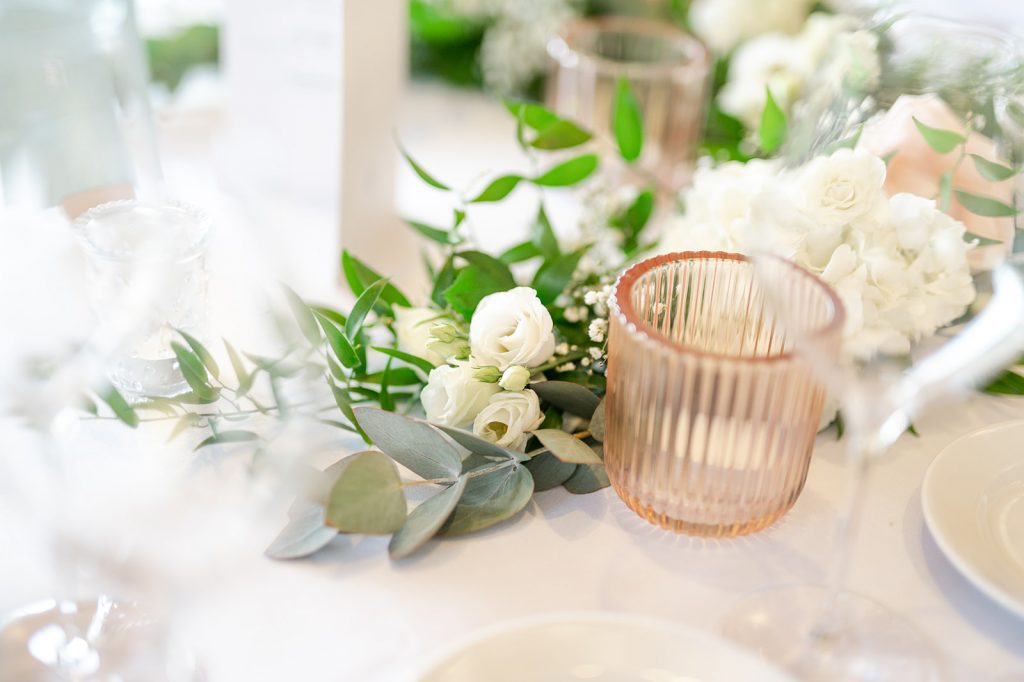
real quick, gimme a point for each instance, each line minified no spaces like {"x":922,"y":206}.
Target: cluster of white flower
{"x":510,"y":334}
{"x":724,"y":24}
{"x":785,"y":63}
{"x":898,"y":263}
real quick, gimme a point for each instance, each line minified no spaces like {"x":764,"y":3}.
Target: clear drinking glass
{"x":667,"y":69}
{"x":710,"y":417}
{"x":118,"y":239}
{"x":882,"y":91}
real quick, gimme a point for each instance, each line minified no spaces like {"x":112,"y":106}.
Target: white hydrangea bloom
{"x":724,"y":24}
{"x":898,"y":263}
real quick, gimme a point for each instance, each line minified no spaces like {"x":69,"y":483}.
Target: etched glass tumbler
{"x":710,"y":417}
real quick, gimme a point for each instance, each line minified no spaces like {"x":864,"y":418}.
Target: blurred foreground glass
{"x":710,"y":418}
{"x":667,"y":70}
{"x":123,"y":237}
{"x":925,"y":94}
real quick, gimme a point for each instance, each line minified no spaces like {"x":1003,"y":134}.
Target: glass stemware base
{"x":857,"y":640}
{"x":98,"y":639}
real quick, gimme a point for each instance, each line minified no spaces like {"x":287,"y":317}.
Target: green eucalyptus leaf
{"x":489,"y":499}
{"x":194,"y":372}
{"x":533,"y":115}
{"x":413,"y":360}
{"x":568,"y":172}
{"x":363,"y":305}
{"x":979,"y":240}
{"x":1007,"y":383}
{"x":485,"y":275}
{"x":426,"y":520}
{"x":553,"y":277}
{"x":303,"y":316}
{"x":396,"y":376}
{"x":984,"y":206}
{"x":367,"y":497}
{"x":244,"y":377}
{"x":415,"y":445}
{"x":543,"y":236}
{"x":421,"y":172}
{"x":568,"y":396}
{"x":498,"y":189}
{"x":202,"y":353}
{"x":340,"y":344}
{"x":566,"y":447}
{"x":772,"y":130}
{"x":359,"y":275}
{"x":597,"y":423}
{"x":478,"y":445}
{"x":236,"y":436}
{"x":122,"y":410}
{"x":344,"y":402}
{"x":435,"y":234}
{"x":587,"y":478}
{"x":990,"y":170}
{"x":305,"y":534}
{"x":519,"y":253}
{"x":627,"y":122}
{"x":561,"y":134}
{"x":548,"y":471}
{"x":942,"y":141}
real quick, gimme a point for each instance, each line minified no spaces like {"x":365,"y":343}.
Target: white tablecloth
{"x":351,"y":614}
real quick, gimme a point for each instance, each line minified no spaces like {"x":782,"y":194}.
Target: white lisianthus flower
{"x":507,"y":417}
{"x":514,"y":378}
{"x":724,"y":24}
{"x":836,"y":190}
{"x":454,"y":397}
{"x":511,"y":328}
{"x":412,"y":327}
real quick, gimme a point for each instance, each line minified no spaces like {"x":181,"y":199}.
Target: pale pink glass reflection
{"x":710,"y":417}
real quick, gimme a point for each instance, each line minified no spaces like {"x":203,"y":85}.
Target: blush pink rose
{"x":916,"y":168}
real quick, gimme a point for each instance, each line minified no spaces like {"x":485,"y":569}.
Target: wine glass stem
{"x":828,"y":621}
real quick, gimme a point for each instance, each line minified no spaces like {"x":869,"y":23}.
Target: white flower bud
{"x":515,"y":378}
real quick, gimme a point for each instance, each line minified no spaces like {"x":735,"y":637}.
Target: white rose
{"x":453,"y":396}
{"x":511,"y":328}
{"x":412,"y":327}
{"x":507,"y":417}
{"x":724,"y":24}
{"x":838,"y":189}
{"x":515,"y":378}
{"x":772,"y":61}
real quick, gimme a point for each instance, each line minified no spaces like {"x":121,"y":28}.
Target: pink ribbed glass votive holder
{"x":710,"y":417}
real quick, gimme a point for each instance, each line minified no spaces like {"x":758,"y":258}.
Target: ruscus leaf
{"x":363,"y":305}
{"x":627,"y":122}
{"x":498,"y":189}
{"x":984,"y":206}
{"x":942,"y":141}
{"x":122,"y":410}
{"x":772,"y":130}
{"x":421,"y":172}
{"x":568,"y":172}
{"x":990,"y":170}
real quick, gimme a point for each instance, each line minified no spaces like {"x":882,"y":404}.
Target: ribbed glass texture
{"x":710,"y":418}
{"x":667,"y":70}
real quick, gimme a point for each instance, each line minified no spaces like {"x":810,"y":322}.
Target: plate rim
{"x":429,"y":663}
{"x":961,"y":562}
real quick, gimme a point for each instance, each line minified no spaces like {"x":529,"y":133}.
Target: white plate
{"x":596,"y":647}
{"x":973,"y":498}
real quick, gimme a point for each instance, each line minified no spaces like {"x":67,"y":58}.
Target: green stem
{"x":559,"y":361}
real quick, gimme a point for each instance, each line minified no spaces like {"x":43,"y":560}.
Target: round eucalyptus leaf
{"x":566,"y":447}
{"x":587,"y":478}
{"x":425,"y":520}
{"x":490,"y":499}
{"x":597,"y":423}
{"x":367,"y":497}
{"x":549,"y":472}
{"x":568,"y":396}
{"x":479,"y":446}
{"x":413,"y":444}
{"x":305,"y":534}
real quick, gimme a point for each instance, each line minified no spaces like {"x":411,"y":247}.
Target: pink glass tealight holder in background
{"x":710,"y":417}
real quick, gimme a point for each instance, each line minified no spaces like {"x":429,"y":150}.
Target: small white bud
{"x":514,"y":378}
